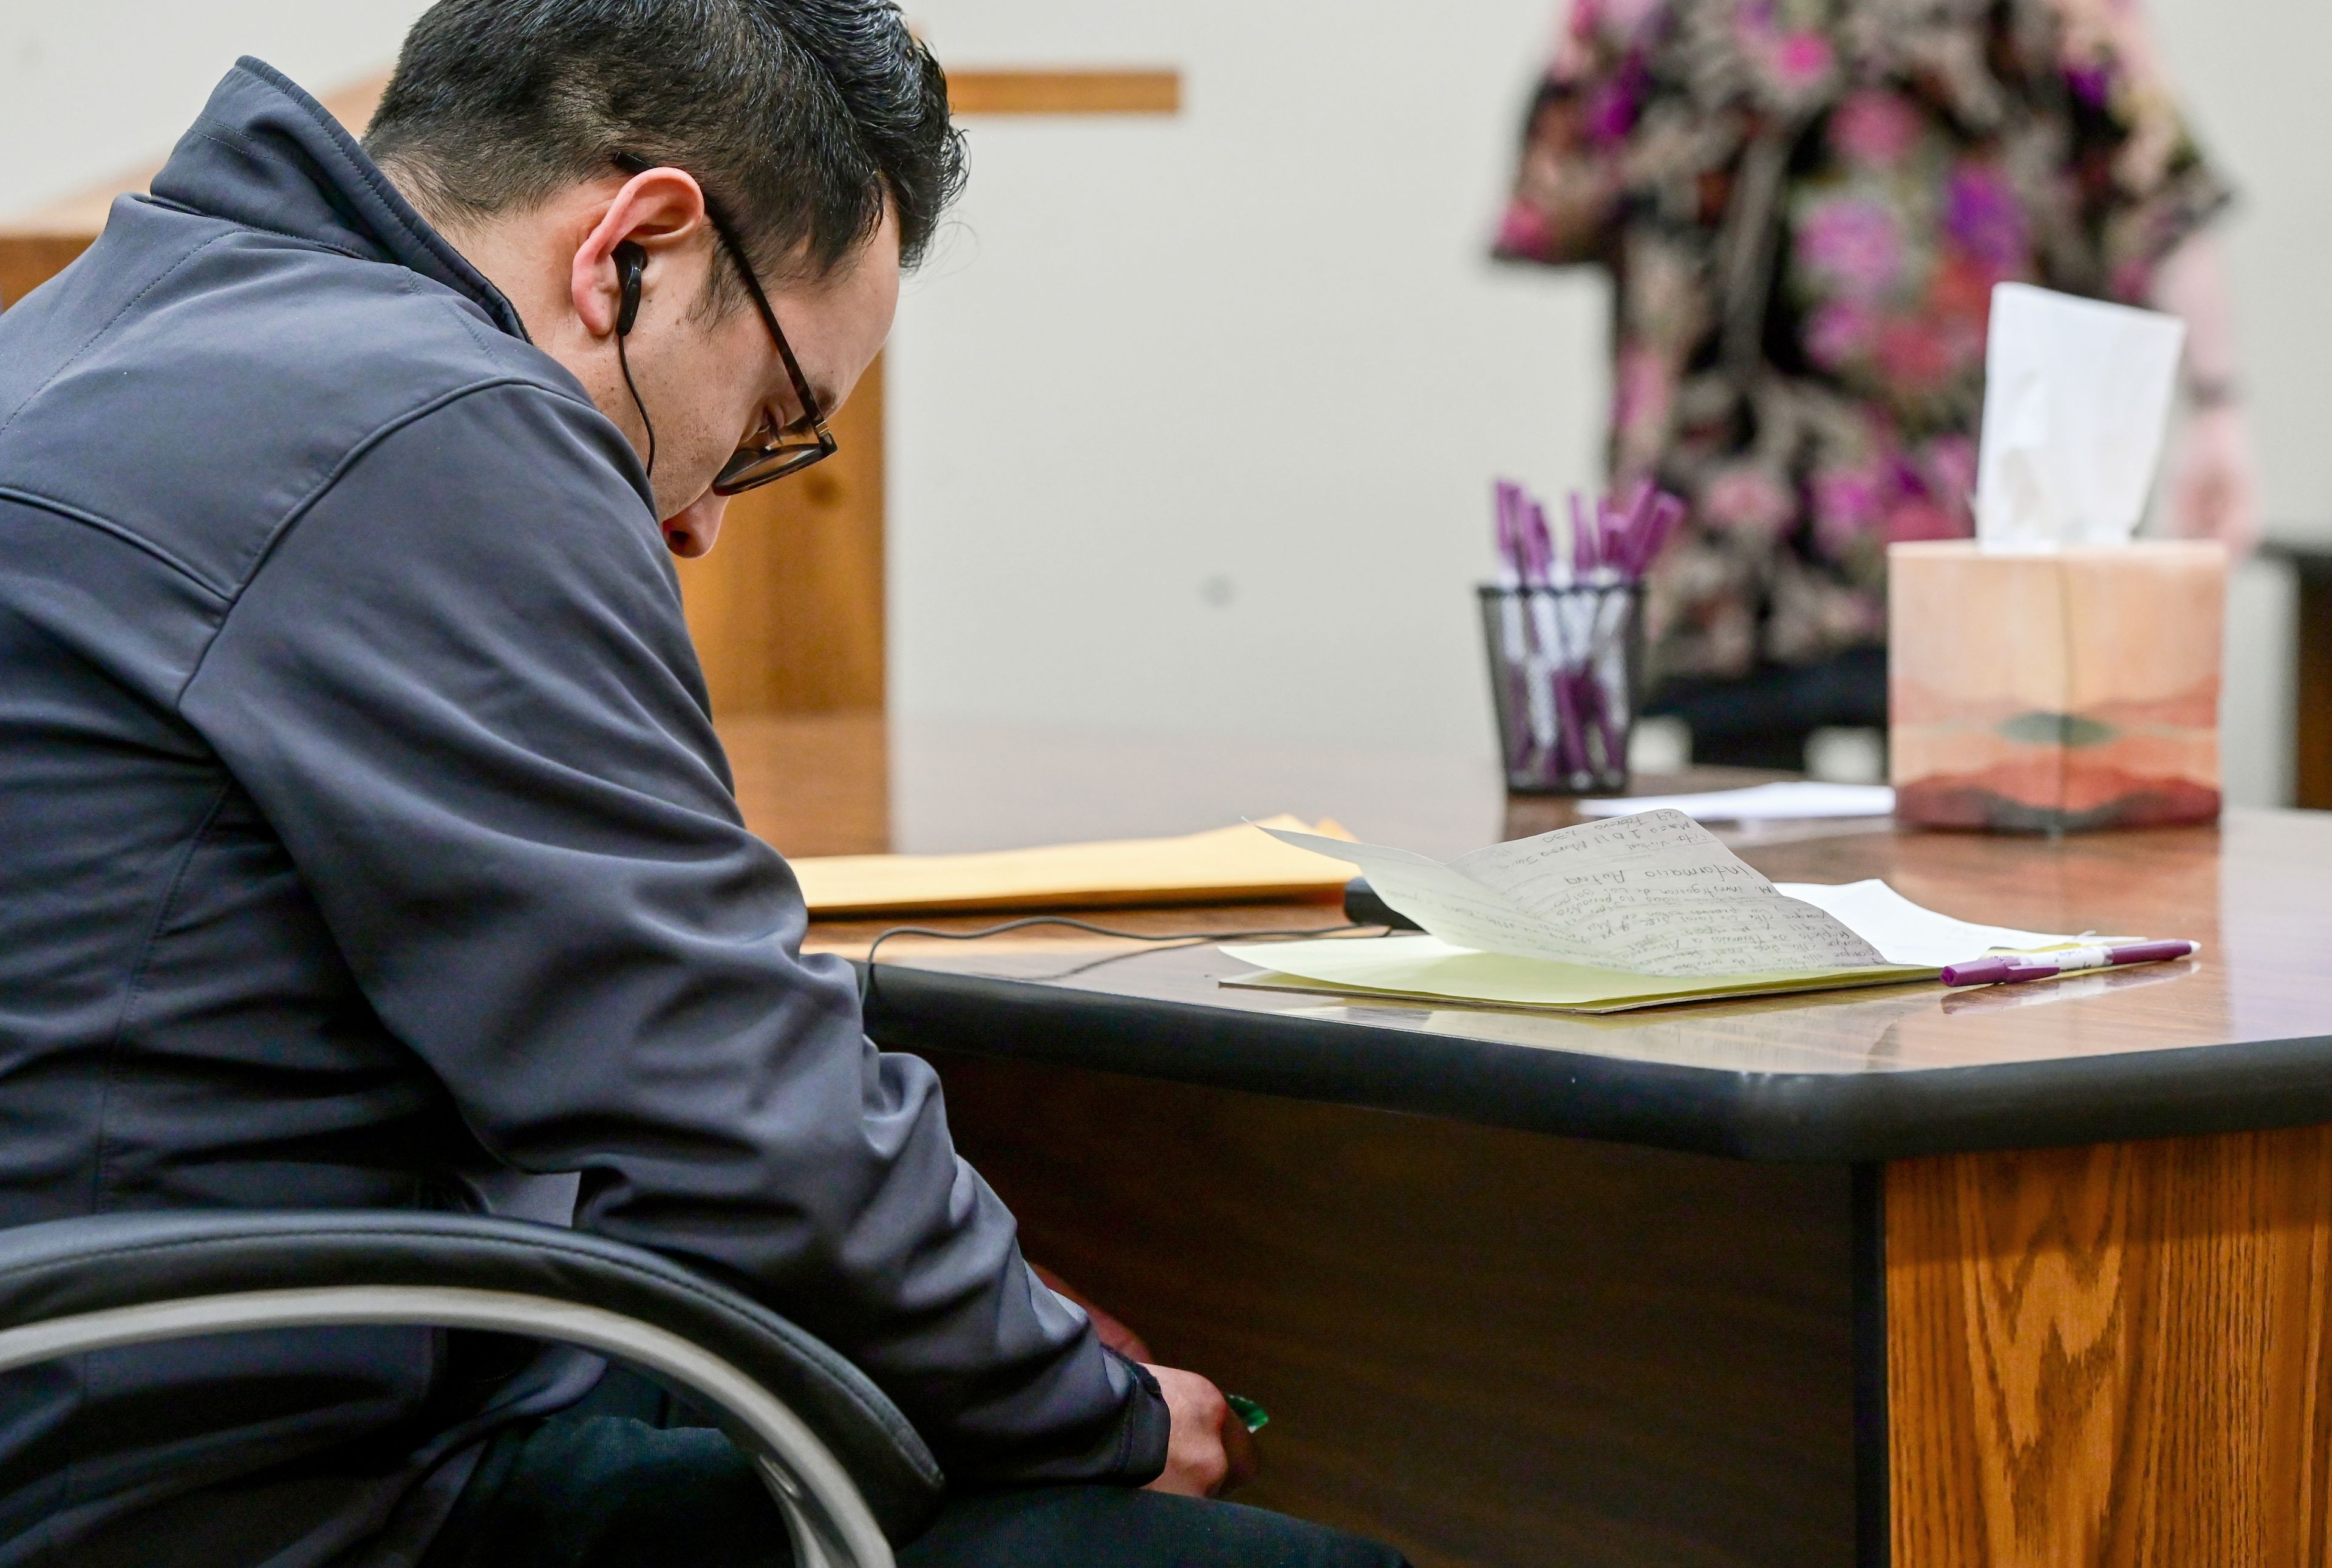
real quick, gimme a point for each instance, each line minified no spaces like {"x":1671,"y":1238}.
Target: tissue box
{"x":2058,"y":691}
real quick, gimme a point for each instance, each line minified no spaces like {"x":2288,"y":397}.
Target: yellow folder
{"x":1237,"y":864}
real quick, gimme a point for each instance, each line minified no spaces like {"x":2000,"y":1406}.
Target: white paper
{"x":2077,"y":396}
{"x":1906,"y":932}
{"x":1763,"y":803}
{"x":1652,"y":893}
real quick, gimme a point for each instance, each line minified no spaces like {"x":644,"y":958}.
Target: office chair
{"x":849,"y":1474}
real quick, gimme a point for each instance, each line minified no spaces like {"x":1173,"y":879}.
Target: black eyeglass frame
{"x":754,"y":466}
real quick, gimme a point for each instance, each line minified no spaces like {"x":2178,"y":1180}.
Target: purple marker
{"x":1539,"y":547}
{"x":1510,"y":544}
{"x":2010,"y":969}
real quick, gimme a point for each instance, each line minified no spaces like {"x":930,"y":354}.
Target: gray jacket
{"x":365,"y":840}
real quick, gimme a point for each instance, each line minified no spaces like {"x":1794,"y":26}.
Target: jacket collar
{"x":267,"y":155}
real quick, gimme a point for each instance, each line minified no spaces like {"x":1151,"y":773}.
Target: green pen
{"x":1253,"y":1415}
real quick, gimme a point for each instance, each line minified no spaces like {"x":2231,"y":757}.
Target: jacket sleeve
{"x":2142,"y":183}
{"x":1565,"y":203}
{"x":459,"y":686}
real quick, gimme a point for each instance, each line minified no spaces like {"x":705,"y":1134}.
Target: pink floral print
{"x":1805,"y":206}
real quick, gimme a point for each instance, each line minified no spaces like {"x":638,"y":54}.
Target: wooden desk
{"x":1944,"y":1280}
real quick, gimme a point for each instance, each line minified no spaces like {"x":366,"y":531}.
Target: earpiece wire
{"x":1185,"y":939}
{"x":624,"y":359}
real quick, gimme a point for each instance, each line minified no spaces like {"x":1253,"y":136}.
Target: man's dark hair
{"x":799,"y":116}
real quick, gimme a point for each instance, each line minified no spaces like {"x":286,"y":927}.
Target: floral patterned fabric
{"x":1805,"y":204}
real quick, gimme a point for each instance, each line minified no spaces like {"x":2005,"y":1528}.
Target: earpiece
{"x":631,"y":264}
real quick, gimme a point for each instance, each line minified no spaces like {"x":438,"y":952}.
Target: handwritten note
{"x":1653,"y":894}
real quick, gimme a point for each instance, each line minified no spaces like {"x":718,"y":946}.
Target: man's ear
{"x":656,"y":218}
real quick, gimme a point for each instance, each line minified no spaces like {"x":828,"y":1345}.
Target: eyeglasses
{"x":772,"y":456}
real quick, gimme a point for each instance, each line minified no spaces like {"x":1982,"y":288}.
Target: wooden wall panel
{"x":787,"y":612}
{"x":813,"y":784}
{"x":1064,"y":92}
{"x":2112,"y":1356}
{"x":29,"y":260}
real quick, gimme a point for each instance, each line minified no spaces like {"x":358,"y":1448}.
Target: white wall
{"x":96,"y":86}
{"x":2251,"y":75}
{"x":1080,"y":536}
{"x":2248,"y":72}
{"x":1194,"y":418}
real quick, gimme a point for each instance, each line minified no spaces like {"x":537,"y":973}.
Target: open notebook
{"x":1637,"y":911}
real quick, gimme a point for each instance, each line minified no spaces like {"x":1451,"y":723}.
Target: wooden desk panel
{"x":1488,"y":1348}
{"x":2113,"y":1355}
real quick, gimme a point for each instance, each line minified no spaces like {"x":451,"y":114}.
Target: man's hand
{"x":1210,"y":1451}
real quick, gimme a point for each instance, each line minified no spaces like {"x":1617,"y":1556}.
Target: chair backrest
{"x":846,"y":1468}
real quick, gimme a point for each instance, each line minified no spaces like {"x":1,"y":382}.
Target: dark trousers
{"x":588,"y":1490}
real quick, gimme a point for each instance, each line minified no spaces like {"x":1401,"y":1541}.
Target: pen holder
{"x":1563,"y":669}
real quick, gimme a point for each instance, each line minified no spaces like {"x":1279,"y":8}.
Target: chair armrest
{"x":70,"y":1285}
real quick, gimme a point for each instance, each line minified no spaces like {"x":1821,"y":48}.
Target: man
{"x":365,"y":842}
